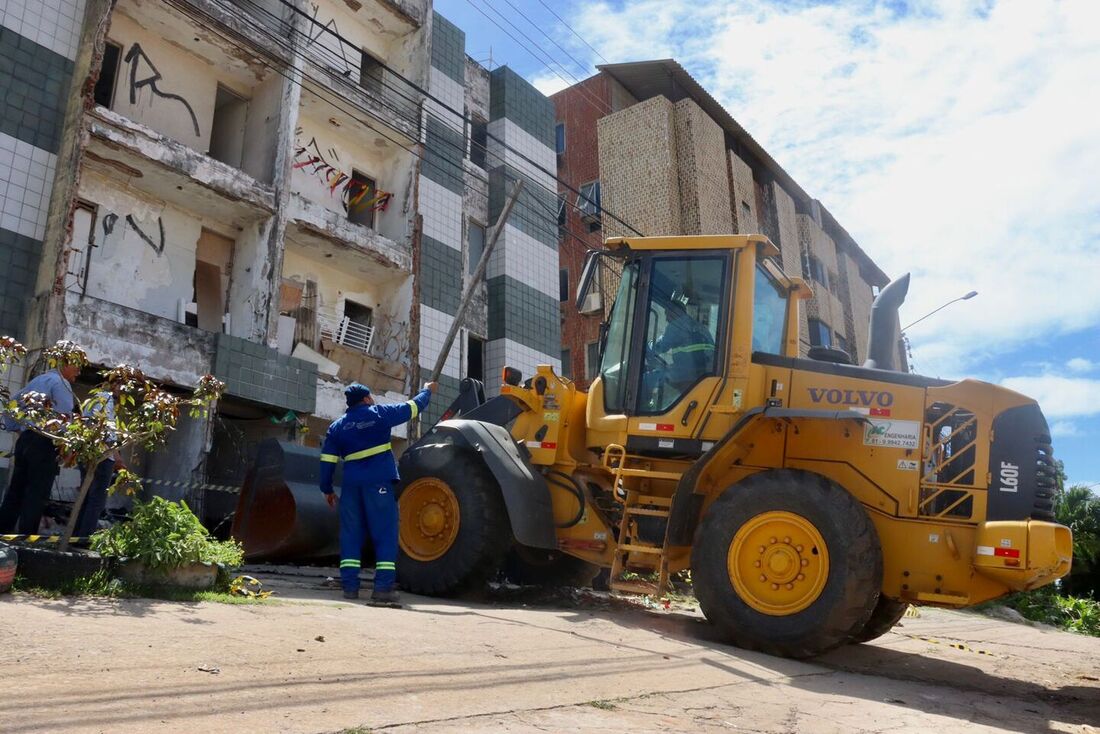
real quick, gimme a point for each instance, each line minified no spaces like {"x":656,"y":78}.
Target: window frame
{"x":822,"y":328}
{"x":559,"y":139}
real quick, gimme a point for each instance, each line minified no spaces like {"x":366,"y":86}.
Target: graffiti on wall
{"x":356,"y":196}
{"x":138,"y":60}
{"x":329,"y":30}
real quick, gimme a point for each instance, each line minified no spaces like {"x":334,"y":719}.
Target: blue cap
{"x":355,"y":392}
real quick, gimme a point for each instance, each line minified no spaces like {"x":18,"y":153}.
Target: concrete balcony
{"x":171,"y":171}
{"x":389,"y":99}
{"x":233,"y":27}
{"x":325,"y":233}
{"x":167,"y":351}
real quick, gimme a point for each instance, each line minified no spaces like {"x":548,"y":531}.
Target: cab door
{"x":678,"y":347}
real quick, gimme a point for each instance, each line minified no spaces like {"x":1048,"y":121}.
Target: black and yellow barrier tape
{"x":39,"y":539}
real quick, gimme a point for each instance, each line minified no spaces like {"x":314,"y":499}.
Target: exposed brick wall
{"x":642,"y":188}
{"x":579,"y":109}
{"x":860,"y":299}
{"x":786,"y":219}
{"x":743,"y":193}
{"x":704,"y":182}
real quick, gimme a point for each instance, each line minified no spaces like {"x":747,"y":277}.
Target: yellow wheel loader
{"x":812,"y":500}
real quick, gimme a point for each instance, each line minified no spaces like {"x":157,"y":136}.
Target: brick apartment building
{"x":289,"y":194}
{"x":647,"y":144}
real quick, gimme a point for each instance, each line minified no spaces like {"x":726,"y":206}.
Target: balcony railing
{"x":343,"y":330}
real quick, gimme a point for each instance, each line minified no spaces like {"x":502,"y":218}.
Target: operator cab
{"x":668,"y":341}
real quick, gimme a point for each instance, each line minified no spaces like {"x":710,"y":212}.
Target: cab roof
{"x":796,"y":286}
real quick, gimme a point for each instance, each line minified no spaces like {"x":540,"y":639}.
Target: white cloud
{"x":1064,"y":429}
{"x":1081,"y":365}
{"x":954,"y":140}
{"x":1059,"y":397}
{"x":548,"y":82}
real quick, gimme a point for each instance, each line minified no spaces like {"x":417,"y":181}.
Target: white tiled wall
{"x":54,"y":24}
{"x":452,"y":95}
{"x":527,"y":260}
{"x":442,"y":212}
{"x":524,"y":153}
{"x":26,"y":175}
{"x":433,"y":330}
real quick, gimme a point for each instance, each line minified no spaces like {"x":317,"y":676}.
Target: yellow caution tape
{"x":38,"y":539}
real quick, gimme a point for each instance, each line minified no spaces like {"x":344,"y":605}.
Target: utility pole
{"x":475,"y":279}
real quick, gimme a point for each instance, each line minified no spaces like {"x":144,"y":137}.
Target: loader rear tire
{"x":887,"y":614}
{"x":453,"y":525}
{"x":787,"y":562}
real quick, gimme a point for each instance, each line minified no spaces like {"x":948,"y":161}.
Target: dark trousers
{"x":96,"y":499}
{"x":34,"y":469}
{"x":368,"y":508}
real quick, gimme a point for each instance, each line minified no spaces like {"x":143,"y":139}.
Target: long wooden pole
{"x":475,"y":279}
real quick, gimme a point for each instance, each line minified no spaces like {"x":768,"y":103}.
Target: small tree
{"x":143,"y":415}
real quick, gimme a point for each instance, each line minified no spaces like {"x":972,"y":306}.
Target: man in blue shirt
{"x":361,"y":437}
{"x":35,"y":461}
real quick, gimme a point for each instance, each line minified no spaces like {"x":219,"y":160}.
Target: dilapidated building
{"x":289,"y":194}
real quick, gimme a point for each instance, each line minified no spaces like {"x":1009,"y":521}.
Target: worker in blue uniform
{"x":361,"y":437}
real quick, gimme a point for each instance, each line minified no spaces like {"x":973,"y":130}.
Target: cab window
{"x":769,"y":313}
{"x":613,"y":367}
{"x":681,"y":321}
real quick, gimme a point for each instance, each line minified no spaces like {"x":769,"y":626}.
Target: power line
{"x":545,"y":57}
{"x":578,"y":35}
{"x":187,"y":9}
{"x":324,"y":28}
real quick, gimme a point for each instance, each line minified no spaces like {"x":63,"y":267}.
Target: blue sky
{"x":955,"y":139}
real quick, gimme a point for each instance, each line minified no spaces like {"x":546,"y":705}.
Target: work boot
{"x":386,"y":598}
{"x":351,"y":594}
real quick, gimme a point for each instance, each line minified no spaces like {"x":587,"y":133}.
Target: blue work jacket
{"x":361,"y":437}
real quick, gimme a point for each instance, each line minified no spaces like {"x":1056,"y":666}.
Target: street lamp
{"x":967,"y":297}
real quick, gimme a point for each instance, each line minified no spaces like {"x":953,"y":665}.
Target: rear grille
{"x":1046,"y":481}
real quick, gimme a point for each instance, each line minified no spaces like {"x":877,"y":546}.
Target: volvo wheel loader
{"x":812,"y":500}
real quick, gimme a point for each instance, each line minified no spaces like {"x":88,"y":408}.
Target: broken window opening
{"x":213,"y":262}
{"x":360,"y":191}
{"x":371,"y":74}
{"x":104,"y":93}
{"x":479,"y":141}
{"x":227,"y":129}
{"x":475,"y":357}
{"x":475,"y":237}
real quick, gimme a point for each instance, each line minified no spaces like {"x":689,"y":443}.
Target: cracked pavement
{"x":513,"y":664}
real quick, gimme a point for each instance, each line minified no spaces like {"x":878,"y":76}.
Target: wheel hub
{"x":428,"y":519}
{"x":778,"y":563}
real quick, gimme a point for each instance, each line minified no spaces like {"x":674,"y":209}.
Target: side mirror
{"x":591,"y":263}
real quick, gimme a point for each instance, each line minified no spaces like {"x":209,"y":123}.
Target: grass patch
{"x":103,"y":585}
{"x":602,"y":704}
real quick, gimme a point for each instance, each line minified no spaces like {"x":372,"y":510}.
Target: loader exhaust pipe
{"x":882,"y":339}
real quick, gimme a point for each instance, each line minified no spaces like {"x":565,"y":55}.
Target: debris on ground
{"x":209,"y":669}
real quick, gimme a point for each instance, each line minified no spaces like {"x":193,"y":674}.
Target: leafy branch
{"x":125,"y":409}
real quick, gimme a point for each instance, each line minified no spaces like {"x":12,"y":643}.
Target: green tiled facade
{"x":534,"y":213}
{"x":523,"y":314}
{"x":443,"y":153}
{"x":32,"y":82}
{"x":19,"y":257}
{"x":257,"y":372}
{"x":440,"y":276}
{"x":513,"y":97}
{"x":448,"y":48}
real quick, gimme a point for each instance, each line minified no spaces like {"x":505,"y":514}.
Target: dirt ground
{"x":513,"y":663}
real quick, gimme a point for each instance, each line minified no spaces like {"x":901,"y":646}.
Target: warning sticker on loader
{"x":892,"y":434}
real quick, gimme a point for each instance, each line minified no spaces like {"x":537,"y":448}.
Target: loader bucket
{"x":281,"y":514}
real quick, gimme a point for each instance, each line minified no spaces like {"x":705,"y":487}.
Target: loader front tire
{"x":453,"y":529}
{"x":887,"y":614}
{"x":787,"y":562}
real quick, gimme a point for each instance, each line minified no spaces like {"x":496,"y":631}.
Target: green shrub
{"x":165,"y":535}
{"x":1075,"y":614}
